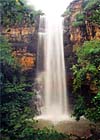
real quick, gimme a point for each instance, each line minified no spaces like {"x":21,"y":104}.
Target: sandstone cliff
{"x":78,"y":27}
{"x":24,"y":43}
{"x":81,"y":23}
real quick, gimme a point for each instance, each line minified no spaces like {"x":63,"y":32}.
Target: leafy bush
{"x":15,"y":94}
{"x":90,"y":12}
{"x":83,"y":109}
{"x":80,"y":16}
{"x":79,"y":20}
{"x":50,"y":134}
{"x":92,"y":8}
{"x":77,"y":23}
{"x":87,"y":81}
{"x":15,"y":12}
{"x":79,"y":108}
{"x":87,"y":4}
{"x":95,"y":16}
{"x":93,"y":113}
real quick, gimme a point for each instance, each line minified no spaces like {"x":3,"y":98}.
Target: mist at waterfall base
{"x":51,"y":77}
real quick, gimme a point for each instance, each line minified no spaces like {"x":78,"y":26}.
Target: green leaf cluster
{"x":91,"y":113}
{"x":80,"y":18}
{"x":16,"y":12}
{"x":95,"y":16}
{"x":5,"y":52}
{"x":92,"y":8}
{"x":15,"y":95}
{"x":88,"y":4}
{"x":86,"y":81}
{"x":90,"y":12}
{"x":79,"y":108}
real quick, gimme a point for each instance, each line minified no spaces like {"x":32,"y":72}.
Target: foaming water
{"x":50,"y":64}
{"x":53,"y":118}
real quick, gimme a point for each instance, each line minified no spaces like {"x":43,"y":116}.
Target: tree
{"x":15,"y":12}
{"x":90,"y":12}
{"x":86,"y":82}
{"x":15,"y":95}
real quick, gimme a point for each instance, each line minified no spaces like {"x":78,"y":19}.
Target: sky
{"x":50,"y":6}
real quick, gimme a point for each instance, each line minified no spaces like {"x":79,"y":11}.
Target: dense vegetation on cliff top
{"x":14,"y":13}
{"x":90,"y":11}
{"x":16,"y":95}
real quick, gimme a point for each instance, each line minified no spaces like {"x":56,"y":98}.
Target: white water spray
{"x":51,"y":69}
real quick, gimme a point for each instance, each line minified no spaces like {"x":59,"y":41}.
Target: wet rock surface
{"x":78,"y":130}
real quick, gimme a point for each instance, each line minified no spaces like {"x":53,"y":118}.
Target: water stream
{"x":51,"y":75}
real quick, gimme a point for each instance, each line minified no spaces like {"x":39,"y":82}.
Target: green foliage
{"x":79,"y":20}
{"x":90,"y":12}
{"x":77,"y":23}
{"x":95,"y":17}
{"x":5,"y":52}
{"x":89,"y":53}
{"x":15,"y":95}
{"x":88,"y":4}
{"x":43,"y":134}
{"x":86,"y":74}
{"x":15,"y":12}
{"x":79,"y":108}
{"x":79,"y":78}
{"x":93,"y":113}
{"x":50,"y":134}
{"x":82,"y":109}
{"x":93,"y":8}
{"x":11,"y":12}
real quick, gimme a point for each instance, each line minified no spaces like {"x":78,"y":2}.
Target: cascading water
{"x":51,"y":69}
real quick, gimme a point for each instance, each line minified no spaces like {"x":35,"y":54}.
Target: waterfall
{"x":51,"y":69}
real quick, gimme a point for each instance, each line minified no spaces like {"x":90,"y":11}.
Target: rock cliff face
{"x":24,"y":44}
{"x":87,"y":30}
{"x":78,"y":27}
{"x":24,"y":40}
